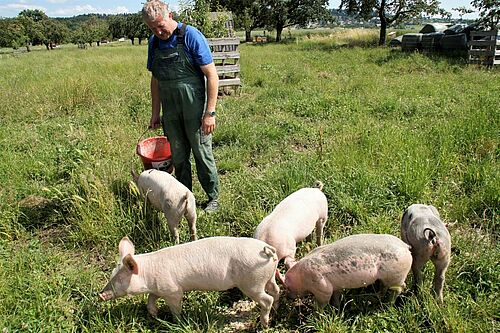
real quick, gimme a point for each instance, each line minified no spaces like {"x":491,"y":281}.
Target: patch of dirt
{"x":324,"y":75}
{"x":240,"y":317}
{"x":300,"y":148}
{"x":53,"y":236}
{"x":34,"y":202}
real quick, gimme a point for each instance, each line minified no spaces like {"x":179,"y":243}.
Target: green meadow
{"x":382,"y":129}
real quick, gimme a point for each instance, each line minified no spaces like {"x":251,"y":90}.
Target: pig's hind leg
{"x":419,"y":261}
{"x":320,"y":225}
{"x":264,"y":300}
{"x":273,"y":290}
{"x":439,"y":276}
{"x":190,"y":215}
{"x":173,"y":220}
{"x":392,"y":287}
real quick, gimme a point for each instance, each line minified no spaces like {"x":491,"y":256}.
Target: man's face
{"x":162,"y":27}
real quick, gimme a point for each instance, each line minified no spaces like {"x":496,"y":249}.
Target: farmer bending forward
{"x":179,"y":59}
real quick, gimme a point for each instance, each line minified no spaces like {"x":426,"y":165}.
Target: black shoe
{"x":212,"y":206}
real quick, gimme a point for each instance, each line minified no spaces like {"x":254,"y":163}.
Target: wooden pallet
{"x":484,"y":48}
{"x":226,"y":58}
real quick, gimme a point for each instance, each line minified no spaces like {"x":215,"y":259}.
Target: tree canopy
{"x":275,"y":14}
{"x":489,"y":12}
{"x":280,"y":14}
{"x":246,"y":14}
{"x":34,"y":27}
{"x":196,"y":13}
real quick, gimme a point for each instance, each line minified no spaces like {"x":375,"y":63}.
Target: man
{"x":179,"y":59}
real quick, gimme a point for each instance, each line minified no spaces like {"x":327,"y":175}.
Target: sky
{"x":68,"y":8}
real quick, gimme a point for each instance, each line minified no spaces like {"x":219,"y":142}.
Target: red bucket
{"x":155,"y":153}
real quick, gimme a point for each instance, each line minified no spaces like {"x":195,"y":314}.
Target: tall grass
{"x":380,"y":128}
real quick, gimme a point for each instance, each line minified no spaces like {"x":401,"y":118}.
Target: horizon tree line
{"x":34,"y":27}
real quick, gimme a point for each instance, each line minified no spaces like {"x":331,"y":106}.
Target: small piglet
{"x":168,"y":195}
{"x":215,"y":263}
{"x":293,"y":220}
{"x":423,"y":230}
{"x":351,"y":262}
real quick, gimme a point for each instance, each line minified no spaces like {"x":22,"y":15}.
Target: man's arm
{"x":208,"y":122}
{"x":155,"y":121}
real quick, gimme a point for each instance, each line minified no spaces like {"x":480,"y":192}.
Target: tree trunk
{"x":383,"y":24}
{"x":47,"y":46}
{"x":383,"y":32}
{"x":132,"y":39}
{"x":28,"y":47}
{"x":279,"y":30}
{"x":140,"y":40}
{"x":248,"y":35}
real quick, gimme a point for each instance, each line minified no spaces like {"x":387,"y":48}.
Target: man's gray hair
{"x":154,"y":8}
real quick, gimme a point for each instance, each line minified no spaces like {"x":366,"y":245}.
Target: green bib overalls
{"x":182,"y":95}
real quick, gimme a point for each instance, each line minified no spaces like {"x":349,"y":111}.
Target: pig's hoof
{"x":153,"y":311}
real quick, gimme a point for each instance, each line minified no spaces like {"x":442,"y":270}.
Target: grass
{"x":380,"y":128}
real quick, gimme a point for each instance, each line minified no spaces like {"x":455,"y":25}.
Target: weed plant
{"x":380,"y":128}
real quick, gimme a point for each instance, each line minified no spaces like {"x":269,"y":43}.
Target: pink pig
{"x":351,"y":262}
{"x":423,"y":230}
{"x":215,"y":263}
{"x":168,"y":195}
{"x":293,"y":220}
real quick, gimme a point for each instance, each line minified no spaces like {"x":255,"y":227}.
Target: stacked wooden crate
{"x":226,"y":58}
{"x":484,"y":48}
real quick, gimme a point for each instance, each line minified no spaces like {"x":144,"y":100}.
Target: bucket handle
{"x":137,"y":147}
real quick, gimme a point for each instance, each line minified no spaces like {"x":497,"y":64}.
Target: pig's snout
{"x":106,"y":295}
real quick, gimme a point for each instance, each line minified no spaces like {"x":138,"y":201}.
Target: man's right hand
{"x":155,"y":122}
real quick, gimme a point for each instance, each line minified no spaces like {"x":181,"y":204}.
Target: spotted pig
{"x":351,"y":262}
{"x":423,"y":230}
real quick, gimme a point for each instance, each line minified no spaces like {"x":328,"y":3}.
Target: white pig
{"x":168,"y":195}
{"x":293,"y":220}
{"x":351,"y":262}
{"x":423,"y":230}
{"x":215,"y":263}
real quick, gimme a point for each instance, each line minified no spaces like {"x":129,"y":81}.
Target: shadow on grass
{"x":98,"y":316}
{"x":122,"y":191}
{"x":39,"y":212}
{"x":149,"y":230}
{"x":198,"y":315}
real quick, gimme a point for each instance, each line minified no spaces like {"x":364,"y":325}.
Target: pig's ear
{"x":131,"y":264}
{"x":125,"y":247}
{"x":434,"y":210}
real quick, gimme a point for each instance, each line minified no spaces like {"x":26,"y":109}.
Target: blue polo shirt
{"x":195,"y":46}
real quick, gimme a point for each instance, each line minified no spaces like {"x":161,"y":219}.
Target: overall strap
{"x":156,"y":42}
{"x":180,"y":34}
